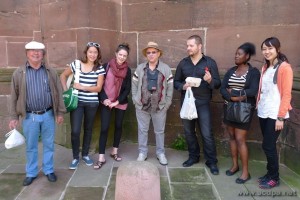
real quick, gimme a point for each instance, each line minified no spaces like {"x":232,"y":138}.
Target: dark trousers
{"x":106,"y":113}
{"x":204,"y":122}
{"x":270,"y":137}
{"x":88,"y":112}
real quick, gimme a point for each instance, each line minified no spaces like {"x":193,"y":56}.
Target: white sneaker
{"x":142,"y":157}
{"x":162,"y":159}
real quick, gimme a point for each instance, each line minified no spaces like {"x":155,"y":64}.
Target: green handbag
{"x":70,"y":96}
{"x":70,"y":99}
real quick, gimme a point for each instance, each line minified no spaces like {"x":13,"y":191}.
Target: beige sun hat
{"x":34,"y":45}
{"x":152,"y":45}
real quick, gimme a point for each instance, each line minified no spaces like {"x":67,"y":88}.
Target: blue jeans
{"x":204,"y":121}
{"x":88,"y":112}
{"x":270,"y":137}
{"x":33,"y":126}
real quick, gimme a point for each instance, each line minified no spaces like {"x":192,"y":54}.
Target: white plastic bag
{"x":188,"y":109}
{"x":14,"y":139}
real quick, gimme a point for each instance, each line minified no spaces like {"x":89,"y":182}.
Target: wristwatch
{"x":280,"y":119}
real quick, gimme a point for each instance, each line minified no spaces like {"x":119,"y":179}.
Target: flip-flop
{"x":116,"y":157}
{"x":99,"y":164}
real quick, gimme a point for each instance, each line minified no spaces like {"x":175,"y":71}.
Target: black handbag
{"x":238,"y":111}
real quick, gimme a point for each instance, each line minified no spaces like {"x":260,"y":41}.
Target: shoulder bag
{"x":71,"y":95}
{"x":238,"y":111}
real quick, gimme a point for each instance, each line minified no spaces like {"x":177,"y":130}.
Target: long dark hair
{"x":249,"y":49}
{"x":274,"y":42}
{"x":98,"y":61}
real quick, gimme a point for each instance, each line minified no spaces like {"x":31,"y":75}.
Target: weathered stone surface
{"x":170,"y":15}
{"x":69,"y":35}
{"x":3,"y":54}
{"x":69,"y":15}
{"x":191,"y":175}
{"x":16,"y":55}
{"x":104,"y":14}
{"x":44,"y":189}
{"x":10,"y":185}
{"x":289,"y":156}
{"x":19,"y":17}
{"x":222,"y":42}
{"x":5,"y":88}
{"x":137,"y":180}
{"x":138,"y":1}
{"x":61,"y":53}
{"x":84,"y":192}
{"x":246,"y":13}
{"x":49,"y":1}
{"x":290,"y":135}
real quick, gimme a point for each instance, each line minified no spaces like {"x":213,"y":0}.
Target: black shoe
{"x":51,"y":177}
{"x":230,"y":173}
{"x":213,"y":169}
{"x":242,"y":181}
{"x":190,"y":162}
{"x":28,"y":180}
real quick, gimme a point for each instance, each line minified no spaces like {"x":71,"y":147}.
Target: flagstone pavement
{"x":176,"y":182}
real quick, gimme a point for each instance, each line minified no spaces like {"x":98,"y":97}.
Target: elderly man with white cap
{"x":152,"y":91}
{"x":36,"y":98}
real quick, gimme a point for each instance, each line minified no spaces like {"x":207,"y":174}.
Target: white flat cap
{"x":34,"y":45}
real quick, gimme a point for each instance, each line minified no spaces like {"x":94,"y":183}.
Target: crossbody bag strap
{"x":77,"y":67}
{"x":76,"y":73}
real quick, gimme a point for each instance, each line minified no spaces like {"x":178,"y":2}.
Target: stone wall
{"x":65,"y":26}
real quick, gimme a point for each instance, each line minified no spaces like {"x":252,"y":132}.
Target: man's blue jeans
{"x":35,"y":126}
{"x":209,"y":147}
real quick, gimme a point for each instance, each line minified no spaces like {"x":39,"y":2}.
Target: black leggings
{"x":106,"y":113}
{"x":270,"y":137}
{"x":86,"y":112}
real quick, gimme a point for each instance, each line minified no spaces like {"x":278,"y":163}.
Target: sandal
{"x":99,"y":164}
{"x":116,"y":157}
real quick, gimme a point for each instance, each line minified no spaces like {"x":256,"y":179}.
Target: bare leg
{"x":233,"y":148}
{"x":243,"y":150}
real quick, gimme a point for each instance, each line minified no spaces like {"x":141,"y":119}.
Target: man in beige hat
{"x":152,"y":91}
{"x":36,"y":97}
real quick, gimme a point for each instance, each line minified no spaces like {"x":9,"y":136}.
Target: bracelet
{"x":280,"y":119}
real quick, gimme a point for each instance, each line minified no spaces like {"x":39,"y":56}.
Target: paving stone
{"x":195,"y":175}
{"x":10,"y":185}
{"x":15,"y":169}
{"x":74,"y":193}
{"x":192,"y":192}
{"x":165,"y":188}
{"x":41,"y":188}
{"x":87,"y":176}
{"x":110,"y":193}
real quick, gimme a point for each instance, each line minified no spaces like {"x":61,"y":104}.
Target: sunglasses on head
{"x":93,"y":44}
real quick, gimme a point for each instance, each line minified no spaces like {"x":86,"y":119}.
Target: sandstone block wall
{"x":65,"y":26}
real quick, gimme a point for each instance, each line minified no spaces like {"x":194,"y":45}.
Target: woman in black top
{"x":113,"y":97}
{"x":240,"y":83}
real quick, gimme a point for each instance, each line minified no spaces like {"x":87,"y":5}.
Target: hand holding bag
{"x":14,"y":139}
{"x":188,"y":109}
{"x":238,"y":111}
{"x":71,"y":95}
